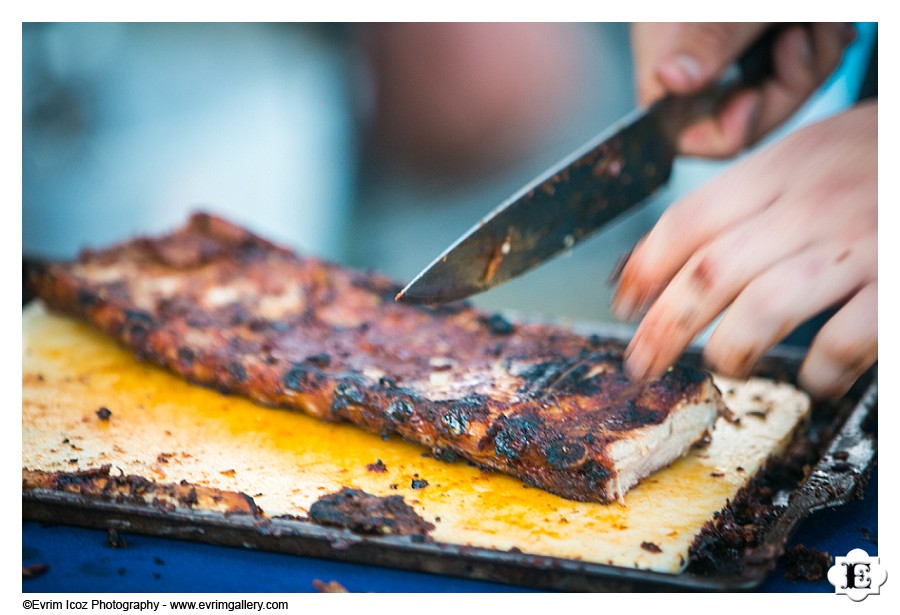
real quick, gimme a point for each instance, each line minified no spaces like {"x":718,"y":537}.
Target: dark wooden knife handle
{"x":751,"y":69}
{"x":757,"y":64}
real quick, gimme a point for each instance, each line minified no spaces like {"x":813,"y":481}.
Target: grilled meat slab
{"x":227,"y":309}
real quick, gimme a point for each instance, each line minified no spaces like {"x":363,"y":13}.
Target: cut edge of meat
{"x":654,"y":447}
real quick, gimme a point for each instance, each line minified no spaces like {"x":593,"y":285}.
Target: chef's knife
{"x":609,"y":175}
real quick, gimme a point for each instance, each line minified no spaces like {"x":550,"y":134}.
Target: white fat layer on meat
{"x":602,"y":368}
{"x":372,"y":373}
{"x":101,"y":274}
{"x":642,"y":451}
{"x":147,"y":291}
{"x":217,"y":296}
{"x":648,"y":449}
{"x":274,"y":306}
{"x":444,"y":384}
{"x":224,"y":294}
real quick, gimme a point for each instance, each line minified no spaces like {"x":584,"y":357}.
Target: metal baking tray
{"x":846,"y":451}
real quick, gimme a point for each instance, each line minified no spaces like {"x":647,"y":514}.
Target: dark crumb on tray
{"x":866,"y":534}
{"x":103,"y":413}
{"x":114,"y":539}
{"x":34,"y":570}
{"x":650,"y":547}
{"x":378,"y":467}
{"x":332,"y":587}
{"x":365,"y":513}
{"x":805,"y":563}
{"x":100,"y":483}
{"x":734,"y":536}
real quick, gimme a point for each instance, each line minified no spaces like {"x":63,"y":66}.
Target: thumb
{"x":702,"y":53}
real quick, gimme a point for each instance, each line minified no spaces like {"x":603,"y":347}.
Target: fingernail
{"x":623,"y":308}
{"x":683,"y":69}
{"x":616,"y":272}
{"x":637,"y":364}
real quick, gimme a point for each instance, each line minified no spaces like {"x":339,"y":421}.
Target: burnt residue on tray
{"x":31,"y":571}
{"x":805,"y":563}
{"x":114,"y":539}
{"x":331,"y":587}
{"x":736,"y":537}
{"x":365,"y":513}
{"x":133,"y":489}
{"x":378,"y":467}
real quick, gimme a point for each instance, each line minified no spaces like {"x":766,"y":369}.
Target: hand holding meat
{"x":784,"y":235}
{"x":683,"y":58}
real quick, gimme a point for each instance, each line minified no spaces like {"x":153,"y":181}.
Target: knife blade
{"x":606,"y":177}
{"x":611,"y":174}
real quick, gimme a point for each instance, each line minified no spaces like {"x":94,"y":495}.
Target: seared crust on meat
{"x":227,"y":309}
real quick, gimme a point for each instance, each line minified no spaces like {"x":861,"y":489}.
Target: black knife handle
{"x":757,"y":64}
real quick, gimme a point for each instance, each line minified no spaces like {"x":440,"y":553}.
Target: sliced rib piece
{"x":225,"y":308}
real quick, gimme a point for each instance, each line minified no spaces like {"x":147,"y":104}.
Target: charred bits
{"x":103,"y":413}
{"x":34,"y":570}
{"x":346,"y":394}
{"x":365,"y":513}
{"x":237,"y":372}
{"x":322,"y":359}
{"x":512,"y":435}
{"x":137,"y":324}
{"x":564,"y":454}
{"x":455,"y":421}
{"x":87,"y":298}
{"x":114,"y":539}
{"x":185,"y":355}
{"x":301,"y":377}
{"x":498,"y":325}
{"x":650,"y":547}
{"x":378,"y":467}
{"x":399,"y":411}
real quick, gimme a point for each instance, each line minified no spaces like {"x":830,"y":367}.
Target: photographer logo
{"x":857,"y":575}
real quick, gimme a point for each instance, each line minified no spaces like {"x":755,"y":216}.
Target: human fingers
{"x":727,"y":132}
{"x":709,"y":282}
{"x":650,"y":42}
{"x":685,"y":57}
{"x":828,"y":170}
{"x":844,"y":348}
{"x":783,"y":297}
{"x":687,"y":225}
{"x":702,"y":52}
{"x":802,"y":58}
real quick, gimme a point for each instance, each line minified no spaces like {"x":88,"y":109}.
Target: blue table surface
{"x":81,"y":560}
